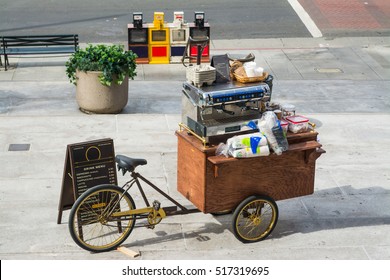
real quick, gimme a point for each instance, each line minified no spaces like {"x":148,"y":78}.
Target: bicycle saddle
{"x":128,"y":164}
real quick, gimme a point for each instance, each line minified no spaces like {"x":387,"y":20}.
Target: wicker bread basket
{"x":244,"y":79}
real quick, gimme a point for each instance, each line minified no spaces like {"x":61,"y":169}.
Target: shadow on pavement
{"x":328,"y":209}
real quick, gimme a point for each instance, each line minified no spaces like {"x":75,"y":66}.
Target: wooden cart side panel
{"x":279,"y":177}
{"x":301,"y":137}
{"x":215,"y":185}
{"x":191,"y":165}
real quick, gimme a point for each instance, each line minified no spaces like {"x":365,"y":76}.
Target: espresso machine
{"x":223,"y":110}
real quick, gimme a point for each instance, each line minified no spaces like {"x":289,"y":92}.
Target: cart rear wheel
{"x":255,"y":218}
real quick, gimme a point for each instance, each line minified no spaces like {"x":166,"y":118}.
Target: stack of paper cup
{"x":250,"y":69}
{"x":259,"y":71}
{"x":243,"y":141}
{"x":247,"y":152}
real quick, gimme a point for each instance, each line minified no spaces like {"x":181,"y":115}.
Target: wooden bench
{"x":37,"y":44}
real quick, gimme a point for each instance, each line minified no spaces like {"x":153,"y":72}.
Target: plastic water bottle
{"x":280,"y":137}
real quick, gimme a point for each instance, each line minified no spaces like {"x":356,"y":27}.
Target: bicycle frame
{"x":155,"y":209}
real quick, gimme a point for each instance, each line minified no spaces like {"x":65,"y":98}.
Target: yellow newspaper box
{"x":158,"y":40}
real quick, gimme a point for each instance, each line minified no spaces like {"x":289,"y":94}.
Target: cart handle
{"x":201,"y":43}
{"x":186,"y":128}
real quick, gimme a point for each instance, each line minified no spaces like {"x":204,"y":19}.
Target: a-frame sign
{"x":87,"y":164}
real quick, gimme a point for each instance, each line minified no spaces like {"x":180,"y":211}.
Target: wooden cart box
{"x":216,"y":183}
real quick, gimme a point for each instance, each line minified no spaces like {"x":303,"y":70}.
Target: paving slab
{"x":347,"y":217}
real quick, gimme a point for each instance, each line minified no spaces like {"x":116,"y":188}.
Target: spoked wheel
{"x":255,"y":218}
{"x":91,"y":223}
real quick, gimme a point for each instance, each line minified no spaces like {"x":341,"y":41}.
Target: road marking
{"x":305,"y":18}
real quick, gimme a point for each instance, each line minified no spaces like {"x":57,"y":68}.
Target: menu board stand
{"x":87,"y":164}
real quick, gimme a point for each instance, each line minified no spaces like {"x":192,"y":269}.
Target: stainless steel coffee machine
{"x":223,"y":109}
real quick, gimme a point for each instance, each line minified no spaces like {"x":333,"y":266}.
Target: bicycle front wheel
{"x":91,"y":223}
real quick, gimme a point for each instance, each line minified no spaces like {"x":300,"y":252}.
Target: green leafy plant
{"x":113,"y":61}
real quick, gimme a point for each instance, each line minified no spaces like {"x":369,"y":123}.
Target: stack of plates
{"x":201,"y":74}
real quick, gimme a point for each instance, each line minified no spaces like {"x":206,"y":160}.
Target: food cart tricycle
{"x":104,"y":216}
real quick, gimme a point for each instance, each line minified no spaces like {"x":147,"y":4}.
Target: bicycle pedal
{"x":150,"y":226}
{"x":156,"y":205}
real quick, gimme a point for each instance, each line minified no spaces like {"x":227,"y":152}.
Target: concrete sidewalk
{"x":343,"y":85}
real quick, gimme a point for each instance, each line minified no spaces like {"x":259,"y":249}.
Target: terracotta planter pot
{"x":93,"y":97}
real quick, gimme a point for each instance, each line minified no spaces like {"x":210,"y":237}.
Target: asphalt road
{"x":98,"y":21}
{"x":107,"y":21}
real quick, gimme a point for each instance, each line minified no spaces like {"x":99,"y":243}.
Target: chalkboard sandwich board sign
{"x":87,"y":164}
